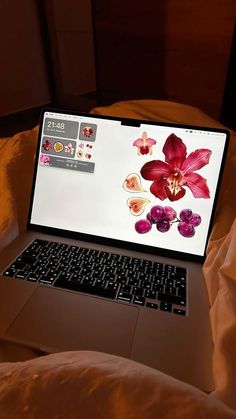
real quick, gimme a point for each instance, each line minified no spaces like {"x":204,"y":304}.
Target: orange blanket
{"x":108,"y":386}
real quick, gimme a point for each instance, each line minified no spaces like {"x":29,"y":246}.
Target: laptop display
{"x":139,"y":184}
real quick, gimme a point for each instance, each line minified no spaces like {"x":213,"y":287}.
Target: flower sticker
{"x":144,"y":144}
{"x":47,"y":145}
{"x":45,"y":160}
{"x":69,"y":148}
{"x":170,"y":178}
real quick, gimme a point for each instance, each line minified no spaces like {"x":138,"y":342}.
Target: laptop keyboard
{"x":137,"y":281}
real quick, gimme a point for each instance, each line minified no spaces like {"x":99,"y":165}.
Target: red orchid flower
{"x":144,"y":144}
{"x":178,"y":171}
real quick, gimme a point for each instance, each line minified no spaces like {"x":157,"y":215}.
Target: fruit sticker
{"x":137,"y":205}
{"x":80,"y":154}
{"x":58,"y":147}
{"x":144,"y":144}
{"x":87,"y":132}
{"x":133,"y":183}
{"x":165,"y":217}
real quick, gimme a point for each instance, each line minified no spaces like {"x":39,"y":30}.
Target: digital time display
{"x":61,"y":128}
{"x":53,"y":124}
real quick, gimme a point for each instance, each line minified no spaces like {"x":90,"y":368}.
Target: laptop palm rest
{"x":13,"y":296}
{"x":64,"y":320}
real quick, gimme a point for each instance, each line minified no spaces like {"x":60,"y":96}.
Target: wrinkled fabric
{"x":16,"y":173}
{"x":92,"y":385}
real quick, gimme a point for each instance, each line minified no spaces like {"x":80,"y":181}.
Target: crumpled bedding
{"x":97,"y":385}
{"x":91,"y":385}
{"x":16,"y":168}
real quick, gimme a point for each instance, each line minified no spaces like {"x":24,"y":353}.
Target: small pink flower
{"x":69,"y":148}
{"x":178,"y":171}
{"x":144,"y":144}
{"x":45,"y":160}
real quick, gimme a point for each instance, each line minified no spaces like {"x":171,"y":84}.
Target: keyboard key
{"x":133,"y":282}
{"x":146,"y":284}
{"x":179,"y":311}
{"x":165,"y":306}
{"x":169,"y":268}
{"x":121,"y":279}
{"x":181,"y":291}
{"x":157,"y":280}
{"x":10,"y":272}
{"x":123,"y":296}
{"x":21,"y":274}
{"x":180,"y":282}
{"x":168,"y":282}
{"x":39,"y":242}
{"x":150,"y":294}
{"x":33,"y":277}
{"x":171,"y":299}
{"x":147,"y":263}
{"x":18,"y":265}
{"x":27,"y":259}
{"x":110,"y":276}
{"x":138,"y":291}
{"x":158,"y":266}
{"x":181,"y":271}
{"x":87,"y":280}
{"x":88,"y":289}
{"x":139,"y":300}
{"x":158,"y":287}
{"x":152,"y":305}
{"x":170,"y":290}
{"x":41,"y":271}
{"x":46,"y":280}
{"x":113,"y":285}
{"x":99,"y":283}
{"x":125,"y":288}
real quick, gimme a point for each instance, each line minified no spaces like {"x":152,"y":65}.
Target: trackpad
{"x":61,"y":320}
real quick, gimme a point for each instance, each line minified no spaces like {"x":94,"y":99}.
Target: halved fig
{"x":137,"y":205}
{"x":133,"y":183}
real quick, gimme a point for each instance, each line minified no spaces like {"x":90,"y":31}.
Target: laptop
{"x":119,"y":219}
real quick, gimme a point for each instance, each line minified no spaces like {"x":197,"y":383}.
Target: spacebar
{"x":89,"y":289}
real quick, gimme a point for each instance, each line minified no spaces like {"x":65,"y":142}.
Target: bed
{"x":95,"y":385}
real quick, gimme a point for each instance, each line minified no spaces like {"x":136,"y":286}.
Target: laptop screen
{"x":135,"y":183}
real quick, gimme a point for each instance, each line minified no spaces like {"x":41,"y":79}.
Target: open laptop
{"x":119,"y":218}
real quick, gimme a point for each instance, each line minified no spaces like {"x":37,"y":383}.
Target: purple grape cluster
{"x":187,"y":223}
{"x":165,"y":217}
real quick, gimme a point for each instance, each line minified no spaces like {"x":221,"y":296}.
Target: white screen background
{"x":96,"y":203}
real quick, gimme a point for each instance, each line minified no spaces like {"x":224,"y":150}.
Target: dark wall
{"x":164,"y":49}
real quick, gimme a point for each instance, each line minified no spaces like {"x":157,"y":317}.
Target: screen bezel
{"x":114,"y":242}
